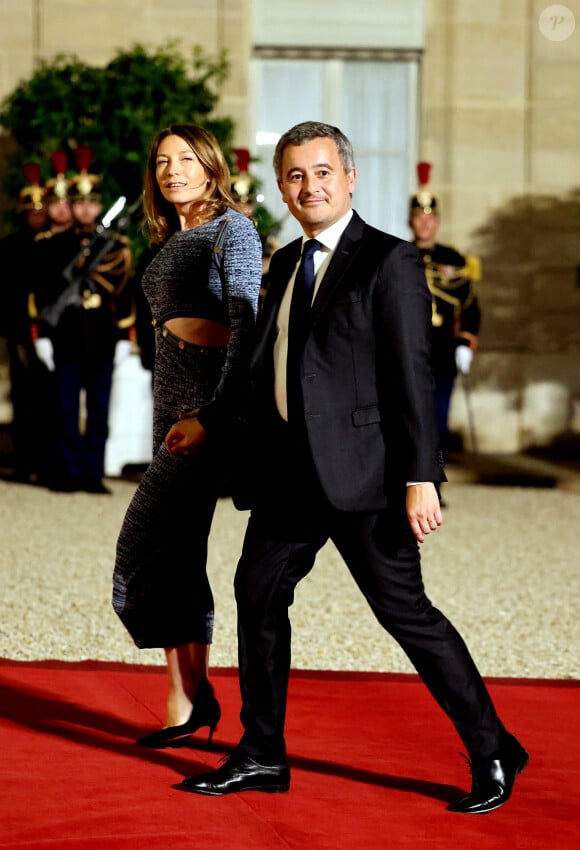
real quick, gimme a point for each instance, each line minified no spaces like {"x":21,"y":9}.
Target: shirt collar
{"x":329,"y":238}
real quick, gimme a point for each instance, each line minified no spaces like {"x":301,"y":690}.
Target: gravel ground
{"x":504,"y":567}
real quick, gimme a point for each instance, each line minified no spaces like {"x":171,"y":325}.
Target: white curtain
{"x":373,"y":103}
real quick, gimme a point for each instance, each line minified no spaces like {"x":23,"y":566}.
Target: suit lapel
{"x":346,"y":251}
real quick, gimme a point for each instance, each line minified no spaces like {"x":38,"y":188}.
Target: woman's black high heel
{"x":206,"y":711}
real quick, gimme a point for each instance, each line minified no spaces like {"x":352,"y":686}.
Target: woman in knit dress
{"x":202,"y":287}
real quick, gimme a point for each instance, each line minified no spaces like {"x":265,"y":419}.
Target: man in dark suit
{"x":341,"y":406}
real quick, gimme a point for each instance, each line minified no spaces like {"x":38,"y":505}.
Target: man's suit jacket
{"x":366,"y":370}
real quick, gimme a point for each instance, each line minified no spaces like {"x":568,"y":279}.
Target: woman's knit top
{"x":212,"y":272}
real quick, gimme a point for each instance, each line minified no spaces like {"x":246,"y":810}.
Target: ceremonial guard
{"x":452,"y":278}
{"x":83,"y":306}
{"x":31,"y":384}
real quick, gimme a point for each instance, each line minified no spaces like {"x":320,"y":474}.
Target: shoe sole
{"x":207,"y":792}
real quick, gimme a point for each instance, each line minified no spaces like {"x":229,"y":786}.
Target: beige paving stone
{"x":504,"y":568}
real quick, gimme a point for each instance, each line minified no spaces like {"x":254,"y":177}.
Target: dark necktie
{"x":298,"y":325}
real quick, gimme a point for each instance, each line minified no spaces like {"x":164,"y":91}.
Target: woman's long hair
{"x":160,"y":216}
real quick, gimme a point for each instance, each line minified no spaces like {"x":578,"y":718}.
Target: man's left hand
{"x":423,"y":509}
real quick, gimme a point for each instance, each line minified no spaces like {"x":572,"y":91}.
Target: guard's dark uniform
{"x":84,"y":337}
{"x":31,"y":384}
{"x":456,"y":317}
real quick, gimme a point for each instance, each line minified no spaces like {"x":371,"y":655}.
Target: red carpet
{"x":374,"y":764}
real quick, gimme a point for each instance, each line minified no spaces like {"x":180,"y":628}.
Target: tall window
{"x":373,"y":101}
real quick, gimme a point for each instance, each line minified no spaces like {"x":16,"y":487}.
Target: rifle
{"x":79,"y":269}
{"x":468,"y":405}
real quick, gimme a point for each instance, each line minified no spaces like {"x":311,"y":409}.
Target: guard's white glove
{"x":463,"y":358}
{"x":45,"y":352}
{"x":123,"y":350}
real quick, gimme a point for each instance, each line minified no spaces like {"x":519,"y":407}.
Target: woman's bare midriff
{"x":199,"y":331}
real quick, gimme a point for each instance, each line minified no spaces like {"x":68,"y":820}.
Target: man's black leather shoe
{"x":493,"y":779}
{"x":239,"y":773}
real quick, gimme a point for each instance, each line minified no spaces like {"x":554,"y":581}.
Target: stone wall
{"x":501,"y":123}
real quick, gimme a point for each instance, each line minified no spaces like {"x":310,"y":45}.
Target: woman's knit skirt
{"x":161,"y":590}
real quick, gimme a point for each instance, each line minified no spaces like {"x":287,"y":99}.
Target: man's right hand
{"x":44,"y":352}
